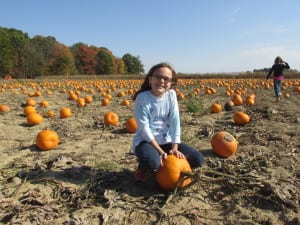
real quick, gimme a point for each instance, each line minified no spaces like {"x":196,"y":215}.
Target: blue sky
{"x":195,"y":36}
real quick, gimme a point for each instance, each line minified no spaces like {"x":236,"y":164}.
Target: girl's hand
{"x":178,"y":154}
{"x":162,"y":157}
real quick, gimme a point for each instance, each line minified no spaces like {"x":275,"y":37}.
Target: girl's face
{"x":160,"y":81}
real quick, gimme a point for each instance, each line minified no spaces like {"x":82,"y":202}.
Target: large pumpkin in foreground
{"x":169,"y":174}
{"x":47,"y":139}
{"x":224,"y":144}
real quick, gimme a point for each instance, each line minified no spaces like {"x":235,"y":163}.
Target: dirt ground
{"x":89,"y":178}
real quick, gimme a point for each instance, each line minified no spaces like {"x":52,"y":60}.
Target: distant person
{"x":157,"y":114}
{"x":277,"y":70}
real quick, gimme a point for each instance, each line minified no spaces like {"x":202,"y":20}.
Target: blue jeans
{"x":149,"y":157}
{"x":277,"y":85}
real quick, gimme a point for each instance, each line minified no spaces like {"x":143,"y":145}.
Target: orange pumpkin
{"x":88,"y":99}
{"x":65,"y":112}
{"x":47,"y":140}
{"x":73,"y":96}
{"x":34,"y":119}
{"x":216,"y":108}
{"x":81,"y":102}
{"x":37,"y":93}
{"x":169,"y":174}
{"x":241,"y":118}
{"x":121,"y":94}
{"x":180,"y":96}
{"x":237,"y":99}
{"x":224,"y":144}
{"x":105,"y":102}
{"x":125,"y":102}
{"x":44,"y":104}
{"x":29,"y":109}
{"x":131,"y":125}
{"x":30,"y":101}
{"x":4,"y":108}
{"x":50,"y":114}
{"x":31,"y":94}
{"x":251,"y":95}
{"x":109,"y":96}
{"x":249,"y":100}
{"x":48,"y":92}
{"x":111,"y":118}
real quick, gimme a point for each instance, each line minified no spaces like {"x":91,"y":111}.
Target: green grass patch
{"x":195,"y":105}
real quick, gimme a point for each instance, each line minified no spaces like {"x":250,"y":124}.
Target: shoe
{"x":139,"y":175}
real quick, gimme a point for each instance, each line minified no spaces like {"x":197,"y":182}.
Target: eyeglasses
{"x":165,"y":79}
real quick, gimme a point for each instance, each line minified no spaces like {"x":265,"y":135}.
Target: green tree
{"x":133,"y":64}
{"x":13,"y":51}
{"x":20,"y":44}
{"x":39,"y":54}
{"x":6,"y":62}
{"x":105,"y":62}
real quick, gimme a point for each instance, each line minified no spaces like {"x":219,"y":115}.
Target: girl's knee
{"x":197,"y":160}
{"x":154,"y":165}
{"x":149,"y":162}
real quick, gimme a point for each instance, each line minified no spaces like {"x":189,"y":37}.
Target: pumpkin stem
{"x":183,"y":176}
{"x":213,"y":172}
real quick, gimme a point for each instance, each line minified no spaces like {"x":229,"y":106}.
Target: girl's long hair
{"x":146,"y":85}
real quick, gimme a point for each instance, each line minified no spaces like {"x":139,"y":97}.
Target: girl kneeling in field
{"x":157,"y":115}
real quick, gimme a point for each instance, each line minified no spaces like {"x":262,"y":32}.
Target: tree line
{"x":25,"y":57}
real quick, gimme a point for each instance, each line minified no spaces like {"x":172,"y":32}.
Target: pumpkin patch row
{"x":76,"y":95}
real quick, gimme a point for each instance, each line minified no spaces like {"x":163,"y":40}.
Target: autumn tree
{"x":85,"y":58}
{"x":61,"y":60}
{"x":120,"y":66}
{"x":25,"y":57}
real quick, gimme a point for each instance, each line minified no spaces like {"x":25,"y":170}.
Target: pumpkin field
{"x":65,"y":154}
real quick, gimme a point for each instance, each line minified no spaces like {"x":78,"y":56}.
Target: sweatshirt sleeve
{"x":142,"y":117}
{"x":270,"y":72}
{"x":287,"y":66}
{"x":174,"y":118}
